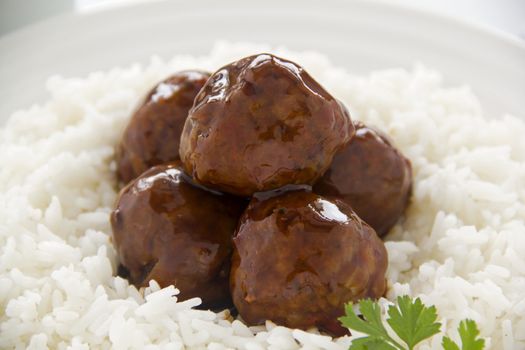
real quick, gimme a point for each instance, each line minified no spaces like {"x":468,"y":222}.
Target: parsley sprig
{"x":468,"y":332}
{"x":410,"y":320}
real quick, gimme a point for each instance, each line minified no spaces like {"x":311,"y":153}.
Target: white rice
{"x":461,"y":247}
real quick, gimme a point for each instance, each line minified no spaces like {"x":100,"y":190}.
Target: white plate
{"x":360,"y":36}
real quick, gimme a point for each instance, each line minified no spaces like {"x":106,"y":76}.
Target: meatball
{"x":372,"y":176}
{"x":153,"y":134}
{"x":260,"y":123}
{"x":299,"y":257}
{"x":166,"y":229}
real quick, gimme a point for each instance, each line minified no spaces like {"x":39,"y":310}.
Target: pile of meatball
{"x":253,"y":187}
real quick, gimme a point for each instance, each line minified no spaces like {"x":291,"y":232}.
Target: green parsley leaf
{"x":352,"y":321}
{"x":468,"y":332}
{"x":449,"y":344}
{"x":412,"y":321}
{"x":371,"y":324}
{"x":369,"y":343}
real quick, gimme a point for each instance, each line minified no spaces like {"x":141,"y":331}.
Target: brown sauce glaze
{"x":166,"y":229}
{"x":299,"y":257}
{"x":152,"y":136}
{"x":281,"y":190}
{"x":261,"y":123}
{"x":372,"y":176}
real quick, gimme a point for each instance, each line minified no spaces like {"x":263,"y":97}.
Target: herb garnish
{"x":410,"y":320}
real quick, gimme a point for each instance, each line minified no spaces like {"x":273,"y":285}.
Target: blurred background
{"x":506,"y":15}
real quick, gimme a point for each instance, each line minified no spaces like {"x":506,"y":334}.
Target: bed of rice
{"x":461,"y":246}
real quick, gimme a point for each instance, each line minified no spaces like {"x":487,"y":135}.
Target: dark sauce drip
{"x":261,"y":196}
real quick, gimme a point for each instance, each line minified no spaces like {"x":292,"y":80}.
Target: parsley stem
{"x":396,"y":344}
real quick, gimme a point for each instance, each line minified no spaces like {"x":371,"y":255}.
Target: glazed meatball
{"x":260,"y":123}
{"x":372,"y":176}
{"x":299,"y":257}
{"x":166,"y":229}
{"x":152,"y":136}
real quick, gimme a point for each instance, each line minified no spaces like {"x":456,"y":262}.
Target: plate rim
{"x":472,"y":25}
